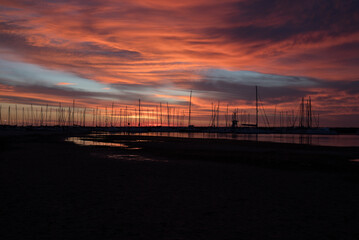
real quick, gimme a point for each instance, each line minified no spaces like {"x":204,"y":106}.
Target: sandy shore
{"x":176,"y":189}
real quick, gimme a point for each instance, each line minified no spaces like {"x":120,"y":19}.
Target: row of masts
{"x":95,"y":117}
{"x":305,"y":118}
{"x":147,"y":116}
{"x":155,"y":116}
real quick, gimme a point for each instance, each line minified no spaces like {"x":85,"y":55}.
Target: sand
{"x":177,"y":189}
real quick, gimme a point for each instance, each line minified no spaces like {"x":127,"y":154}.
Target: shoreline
{"x":261,"y":153}
{"x":287,"y":155}
{"x":193,"y":129}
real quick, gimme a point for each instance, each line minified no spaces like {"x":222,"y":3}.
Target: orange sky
{"x":98,"y":52}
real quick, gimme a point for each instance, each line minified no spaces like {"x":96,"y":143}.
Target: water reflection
{"x":97,"y":142}
{"x":323,"y":140}
{"x":85,"y":141}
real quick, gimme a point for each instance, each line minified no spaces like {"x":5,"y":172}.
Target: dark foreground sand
{"x":200,"y":189}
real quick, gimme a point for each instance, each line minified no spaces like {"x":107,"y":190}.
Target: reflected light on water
{"x":87,"y":142}
{"x":312,"y":139}
{"x":125,"y":157}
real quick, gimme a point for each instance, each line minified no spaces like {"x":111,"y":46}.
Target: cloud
{"x":65,"y":84}
{"x":236,"y":86}
{"x":251,"y":78}
{"x":231,"y":86}
{"x":278,"y":20}
{"x":153,"y":48}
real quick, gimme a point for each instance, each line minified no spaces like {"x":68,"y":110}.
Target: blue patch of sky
{"x":19,"y":73}
{"x":251,"y":78}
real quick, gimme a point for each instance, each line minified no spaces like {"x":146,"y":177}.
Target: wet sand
{"x":196,"y":189}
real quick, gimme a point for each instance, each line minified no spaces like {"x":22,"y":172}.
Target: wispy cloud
{"x":153,"y":48}
{"x":65,"y":83}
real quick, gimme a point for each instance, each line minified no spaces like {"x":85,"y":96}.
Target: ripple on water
{"x":87,"y":142}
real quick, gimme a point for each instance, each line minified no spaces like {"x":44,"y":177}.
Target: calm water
{"x":323,"y":140}
{"x":96,"y":141}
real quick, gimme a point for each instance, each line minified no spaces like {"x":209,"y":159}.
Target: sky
{"x":104,"y":51}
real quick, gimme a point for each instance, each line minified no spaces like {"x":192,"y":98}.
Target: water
{"x":99,"y":139}
{"x":322,"y":140}
{"x":96,"y":141}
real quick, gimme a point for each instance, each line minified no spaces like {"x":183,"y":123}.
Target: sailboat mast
{"x":112,"y":115}
{"x":218,"y":114}
{"x":256,"y":106}
{"x":8,"y":117}
{"x":310,"y":113}
{"x":84,"y":118}
{"x":139,"y":112}
{"x":161,"y":113}
{"x":227,"y":117}
{"x":50,"y":117}
{"x":73,"y":113}
{"x":189,"y":110}
{"x":168,"y":116}
{"x":46,"y":119}
{"x":16,"y":115}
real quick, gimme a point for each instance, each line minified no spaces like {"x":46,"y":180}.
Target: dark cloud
{"x":90,"y":48}
{"x":19,"y":42}
{"x":350,"y":87}
{"x":231,"y":91}
{"x":345,"y":54}
{"x":45,"y":4}
{"x":279,"y":20}
{"x":249,"y":34}
{"x":343,"y":120}
{"x":232,"y":86}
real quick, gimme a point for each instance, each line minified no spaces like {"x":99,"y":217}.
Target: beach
{"x":174,"y":188}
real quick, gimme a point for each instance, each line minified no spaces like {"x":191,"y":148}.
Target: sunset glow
{"x":99,"y":52}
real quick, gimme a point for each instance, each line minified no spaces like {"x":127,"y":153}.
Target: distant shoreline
{"x":237,"y":130}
